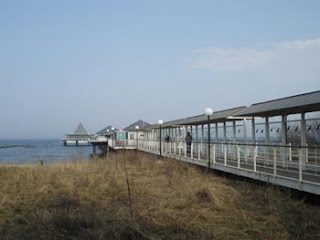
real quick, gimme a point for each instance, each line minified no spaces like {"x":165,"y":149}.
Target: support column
{"x":209,"y":141}
{"x":217,"y":133}
{"x":225,"y":132}
{"x":196,"y":146}
{"x":202,"y":137}
{"x":253,"y":128}
{"x":171,"y":139}
{"x":283,"y":139}
{"x":234,"y":132}
{"x":253,"y":140}
{"x":245,"y":139}
{"x":254,"y":148}
{"x":202,"y":133}
{"x":197,"y":140}
{"x":192,"y":144}
{"x":303,"y":150}
{"x":267,"y":129}
{"x":173,"y":132}
{"x":234,"y":138}
{"x":224,"y":147}
{"x":217,"y":138}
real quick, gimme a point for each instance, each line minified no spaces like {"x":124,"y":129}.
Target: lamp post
{"x":137,"y":128}
{"x":208,"y":112}
{"x":160,"y":122}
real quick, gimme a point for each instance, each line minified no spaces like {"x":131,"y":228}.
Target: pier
{"x":276,"y":141}
{"x":273,"y":141}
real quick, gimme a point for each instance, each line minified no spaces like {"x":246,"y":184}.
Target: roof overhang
{"x":309,"y":102}
{"x":219,"y":116}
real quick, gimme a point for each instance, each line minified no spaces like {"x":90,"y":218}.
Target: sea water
{"x":35,"y":151}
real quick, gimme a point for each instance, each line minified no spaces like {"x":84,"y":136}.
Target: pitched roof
{"x":201,"y":119}
{"x":307,"y":102}
{"x":80,"y":129}
{"x":142,"y":124}
{"x":105,"y":131}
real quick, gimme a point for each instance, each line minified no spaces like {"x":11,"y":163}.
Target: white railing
{"x":300,"y":164}
{"x":122,"y":144}
{"x":291,"y":162}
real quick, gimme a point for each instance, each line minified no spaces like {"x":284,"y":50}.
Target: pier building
{"x":115,"y":139}
{"x":80,"y":136}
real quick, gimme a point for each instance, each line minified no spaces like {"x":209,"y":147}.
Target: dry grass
{"x":170,"y":200}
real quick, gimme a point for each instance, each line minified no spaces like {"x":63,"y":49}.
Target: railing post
{"x":238,"y":153}
{"x":300,"y":167}
{"x":256,"y":148}
{"x":199,"y":153}
{"x":274,"y":161}
{"x":225,"y":153}
{"x":191,"y":151}
{"x":290,"y":152}
{"x":254,"y":159}
{"x":186,"y":150}
{"x":222,"y":149}
{"x":179,"y":149}
{"x":246,"y":153}
{"x":214,"y":153}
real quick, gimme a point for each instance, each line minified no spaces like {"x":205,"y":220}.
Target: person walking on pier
{"x":189,"y":142}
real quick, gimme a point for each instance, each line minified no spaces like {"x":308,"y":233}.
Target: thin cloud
{"x":300,"y":44}
{"x":239,"y":59}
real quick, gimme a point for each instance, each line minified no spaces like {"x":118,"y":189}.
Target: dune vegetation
{"x":133,"y":195}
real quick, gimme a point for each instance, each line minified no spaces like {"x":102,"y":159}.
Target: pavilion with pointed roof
{"x":79,"y":136}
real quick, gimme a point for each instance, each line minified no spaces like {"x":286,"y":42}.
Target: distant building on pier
{"x":79,"y":137}
{"x":107,"y":131}
{"x":132,"y":130}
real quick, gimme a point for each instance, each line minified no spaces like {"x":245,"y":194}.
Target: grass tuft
{"x":135,"y":196}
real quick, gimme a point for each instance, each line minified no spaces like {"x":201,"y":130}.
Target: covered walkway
{"x":275,"y":141}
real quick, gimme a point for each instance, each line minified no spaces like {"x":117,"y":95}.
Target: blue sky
{"x":114,"y":62}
